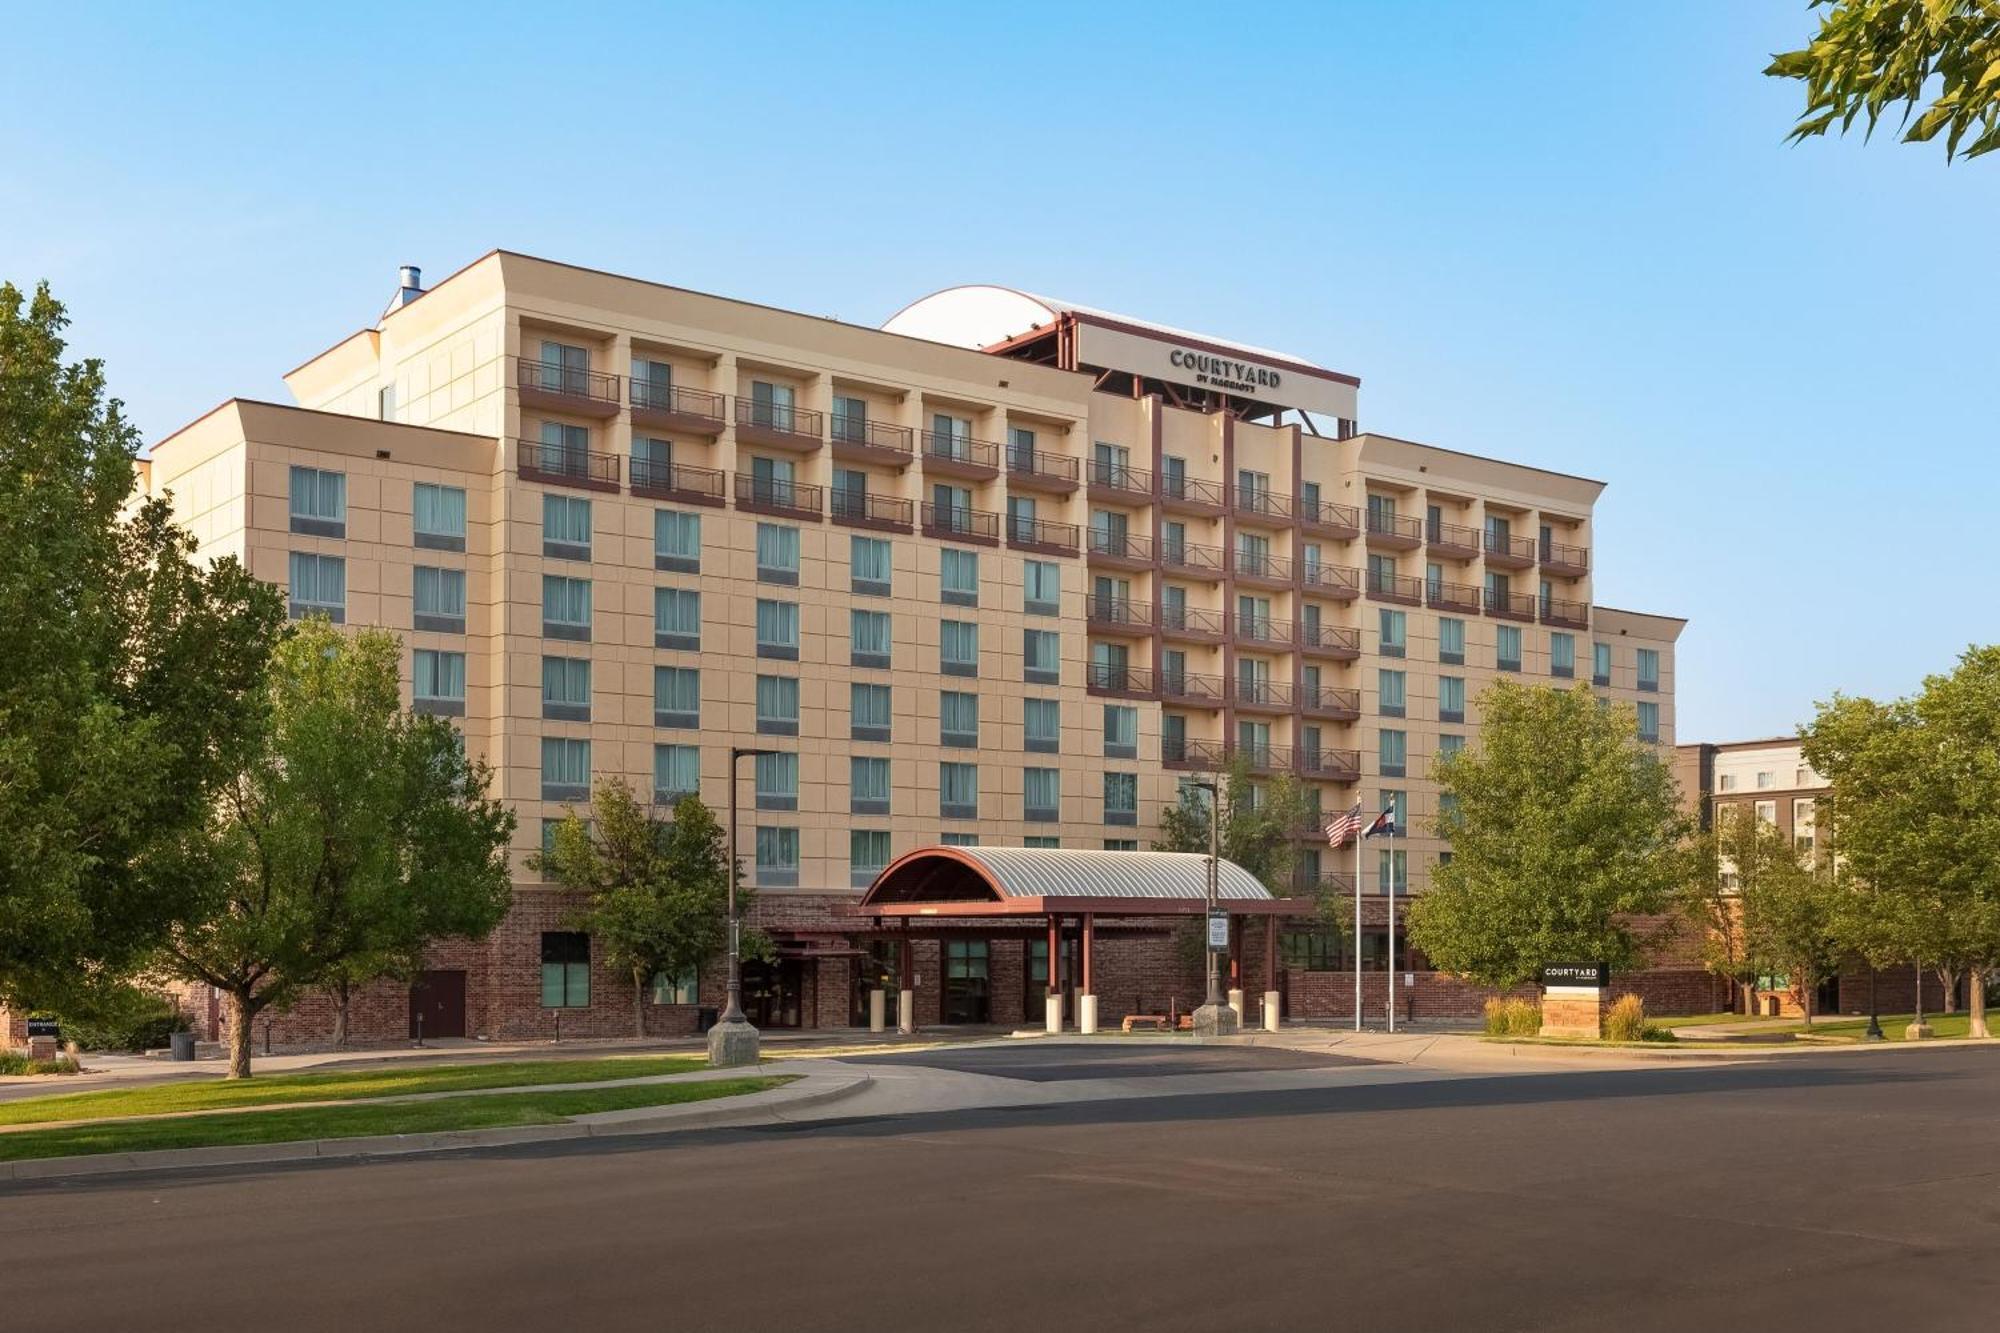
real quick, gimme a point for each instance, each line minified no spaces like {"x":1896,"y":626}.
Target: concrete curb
{"x":774,"y":1107}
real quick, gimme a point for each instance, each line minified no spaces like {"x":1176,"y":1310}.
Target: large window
{"x":1121,"y":731}
{"x":958,"y":719}
{"x":867,"y":855}
{"x":565,"y":769}
{"x":677,"y":619}
{"x":1390,"y":692}
{"x":1450,"y":744}
{"x":565,"y":969}
{"x":437,"y":683}
{"x":319,"y":502}
{"x":1507,"y":647}
{"x":1042,"y":587}
{"x":777,"y":781}
{"x":778,"y":705}
{"x":1316,"y":950}
{"x":676,"y":696}
{"x":1451,"y":641}
{"x":958,"y":648}
{"x":566,"y":527}
{"x":676,"y":772}
{"x":565,"y":608}
{"x":868,"y":633}
{"x":566,"y":689}
{"x":1600,"y":664}
{"x":1392,"y":750}
{"x":778,"y":629}
{"x":1649,"y":668}
{"x":1649,"y":721}
{"x":1041,"y":795}
{"x":777,"y":553}
{"x":1562,"y":655}
{"x":677,"y":541}
{"x":958,"y":791}
{"x":437,"y":516}
{"x":319,"y":586}
{"x":958,"y":576}
{"x":438,"y":599}
{"x":867,"y":785}
{"x":868,"y":559}
{"x":868,"y":708}
{"x":1041,"y":656}
{"x":1394,"y":632}
{"x":1121,"y":798}
{"x":777,"y":857}
{"x":1451,"y":698}
{"x":1041,"y":726}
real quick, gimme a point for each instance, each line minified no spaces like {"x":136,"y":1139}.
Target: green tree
{"x":1713,"y":905}
{"x":355,"y":832}
{"x":1563,"y":826}
{"x":133,"y":676}
{"x":1788,"y":905}
{"x":656,"y":893}
{"x":1257,"y":823}
{"x":1872,"y":56}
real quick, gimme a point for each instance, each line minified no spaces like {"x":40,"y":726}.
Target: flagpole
{"x":1391,"y":1001}
{"x":1357,"y":919}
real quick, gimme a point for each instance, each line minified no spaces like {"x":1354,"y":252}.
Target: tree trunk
{"x":1948,"y":977}
{"x":242,"y":1015}
{"x":638,"y":1003}
{"x":1975,"y":1004}
{"x":343,"y":991}
{"x":1806,"y":995}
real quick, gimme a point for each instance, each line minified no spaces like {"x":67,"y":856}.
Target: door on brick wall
{"x":875,"y":970}
{"x":437,"y":1005}
{"x":967,"y":997}
{"x":773,"y":993}
{"x":1035,"y":999}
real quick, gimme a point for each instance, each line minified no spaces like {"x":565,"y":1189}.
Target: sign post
{"x":1218,"y":931}
{"x":1573,"y":999}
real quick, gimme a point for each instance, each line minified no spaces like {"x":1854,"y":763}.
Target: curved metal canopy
{"x":1021,"y":875}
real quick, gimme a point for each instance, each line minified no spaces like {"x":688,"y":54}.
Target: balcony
{"x":1402,"y":589}
{"x":1328,"y":765}
{"x":1041,"y":536}
{"x":1336,"y":702}
{"x":1262,"y":758}
{"x":570,"y":390}
{"x":1214,"y":756}
{"x":1510,"y":605}
{"x":1342,"y":642}
{"x":960,"y":456}
{"x":1191,"y":689}
{"x":1328,"y":882}
{"x":1191,"y":495}
{"x":1261,"y":632}
{"x":1259,"y":567}
{"x":1337,"y":581}
{"x":1119,"y":615}
{"x":1341,"y":522}
{"x":1393,"y":532}
{"x":781,"y":499}
{"x":1505,"y":552}
{"x":1261,"y":696}
{"x":1192,"y":624}
{"x":1442,"y":596}
{"x":1567,"y":561}
{"x":1119,"y":550}
{"x":797,"y":430}
{"x":1033,"y":469}
{"x":958,"y":523}
{"x":556,"y":465}
{"x":879,"y":513}
{"x":1192,"y":560}
{"x":1255,"y":505}
{"x":858,"y":440}
{"x":653,"y":479}
{"x":1118,"y":680}
{"x":1119,"y":484}
{"x":1568,"y":614}
{"x":671,"y":408}
{"x":1452,"y":540}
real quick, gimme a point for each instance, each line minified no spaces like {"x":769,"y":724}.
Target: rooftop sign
{"x":1214,"y":368}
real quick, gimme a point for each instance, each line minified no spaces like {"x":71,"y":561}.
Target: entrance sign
{"x":1576,"y":974}
{"x":44,"y":1027}
{"x":1218,"y":930}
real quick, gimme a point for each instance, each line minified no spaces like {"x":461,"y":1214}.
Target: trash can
{"x":181,"y":1045}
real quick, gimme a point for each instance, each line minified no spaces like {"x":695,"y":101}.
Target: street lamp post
{"x":1214,"y":1018}
{"x":734,"y":1040}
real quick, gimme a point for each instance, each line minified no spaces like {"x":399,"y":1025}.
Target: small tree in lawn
{"x":1789,"y":906}
{"x":1714,"y":906}
{"x":1257,"y":821}
{"x":656,"y":892}
{"x":1564,"y":826}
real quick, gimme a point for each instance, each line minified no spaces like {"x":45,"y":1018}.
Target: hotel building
{"x":1004,"y":571}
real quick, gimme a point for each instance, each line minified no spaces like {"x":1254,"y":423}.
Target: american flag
{"x":1342,"y":827}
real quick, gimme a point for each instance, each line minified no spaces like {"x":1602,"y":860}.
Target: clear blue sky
{"x":1562,"y":234}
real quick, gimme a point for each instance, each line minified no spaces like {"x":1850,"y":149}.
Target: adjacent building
{"x":1004,"y":572}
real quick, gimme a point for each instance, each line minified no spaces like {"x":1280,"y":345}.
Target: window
{"x":319,"y":502}
{"x":1121,"y":844}
{"x":777,"y":781}
{"x":868,"y":638}
{"x":850,"y":418}
{"x":1448,"y":811}
{"x":565,"y":608}
{"x":1392,"y":873}
{"x":565,"y":769}
{"x":958,"y":648}
{"x":777,"y":553}
{"x":1389,"y":692}
{"x":950,"y":839}
{"x":867,"y":855}
{"x":1316,"y":950}
{"x":566,"y":689}
{"x":1252,"y":489}
{"x":1121,"y":798}
{"x":1449,"y":745}
{"x":958,"y":791}
{"x":677,"y":618}
{"x":1562,"y":655}
{"x":1042,"y":587}
{"x":1451,"y":698}
{"x":1600,"y":664}
{"x":1767,"y":812}
{"x":438,"y":599}
{"x":1392,"y":751}
{"x":778,"y":705}
{"x":1726,"y":782}
{"x":868,"y":565}
{"x":1041,"y":795}
{"x":958,"y":719}
{"x":566,"y":527}
{"x":319,"y":586}
{"x":777,"y":857}
{"x":1121,"y":731}
{"x":437,"y":682}
{"x":1649,"y":721}
{"x":1394,"y":628}
{"x":868,"y":708}
{"x":1451,"y":641}
{"x":1507,"y":647}
{"x":1041,"y":726}
{"x":1041,"y":662}
{"x":778,"y":629}
{"x":676,"y":696}
{"x":1048,"y":840}
{"x":565,"y":969}
{"x":676,"y":772}
{"x":1649,"y":668}
{"x":1764,"y":779}
{"x":867,"y":785}
{"x":437,"y":516}
{"x":682,"y":989}
{"x":958,"y":577}
{"x":677,"y":541}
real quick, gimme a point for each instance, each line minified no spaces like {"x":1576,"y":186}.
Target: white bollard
{"x":1236,"y":1003}
{"x":878,"y":1005}
{"x":1086,"y":1014}
{"x":1054,"y":1015}
{"x":906,"y":1012}
{"x":1270,"y":1011}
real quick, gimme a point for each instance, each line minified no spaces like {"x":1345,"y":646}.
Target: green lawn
{"x":490,"y":1111}
{"x":391,"y":1081}
{"x":1942,"y":1025}
{"x":1700,"y":1020}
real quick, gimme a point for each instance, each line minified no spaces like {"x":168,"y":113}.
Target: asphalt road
{"x":1845,"y":1191}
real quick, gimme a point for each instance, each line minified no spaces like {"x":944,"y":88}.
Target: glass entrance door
{"x":967,"y":995}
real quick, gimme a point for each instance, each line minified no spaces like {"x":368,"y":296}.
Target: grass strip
{"x":490,"y":1111}
{"x":391,"y":1081}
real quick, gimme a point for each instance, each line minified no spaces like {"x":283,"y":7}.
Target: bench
{"x":1157,"y":1022}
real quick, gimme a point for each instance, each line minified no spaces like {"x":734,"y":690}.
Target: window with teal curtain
{"x":319,"y":494}
{"x":958,"y":790}
{"x":437,"y":511}
{"x":565,"y":762}
{"x":869,"y":708}
{"x":1507,"y":646}
{"x":870,"y":634}
{"x":565,"y":601}
{"x":566,"y":680}
{"x":868,"y":778}
{"x":319,"y":582}
{"x":677,"y":536}
{"x":439,"y":592}
{"x":1041,"y":794}
{"x":1121,"y":795}
{"x":868,"y":558}
{"x":1041,"y":722}
{"x":438,"y":675}
{"x":958,"y":573}
{"x":1042,"y":581}
{"x":1390,"y":687}
{"x":677,"y":613}
{"x":566,"y":519}
{"x":777,"y":548}
{"x":777,"y":699}
{"x":676,"y":696}
{"x":1392,"y":752}
{"x":958,"y":644}
{"x":958,"y":718}
{"x":676,"y":771}
{"x":1451,"y":638}
{"x":777,"y":624}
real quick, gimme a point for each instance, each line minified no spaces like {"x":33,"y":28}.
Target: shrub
{"x":1654,"y":1032}
{"x":17,"y":1062}
{"x":124,"y":1019}
{"x":1627,"y":1019}
{"x":1524,"y":1018}
{"x":1496,"y":1017}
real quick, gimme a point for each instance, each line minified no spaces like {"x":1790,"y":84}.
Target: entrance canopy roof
{"x":1038,"y":881}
